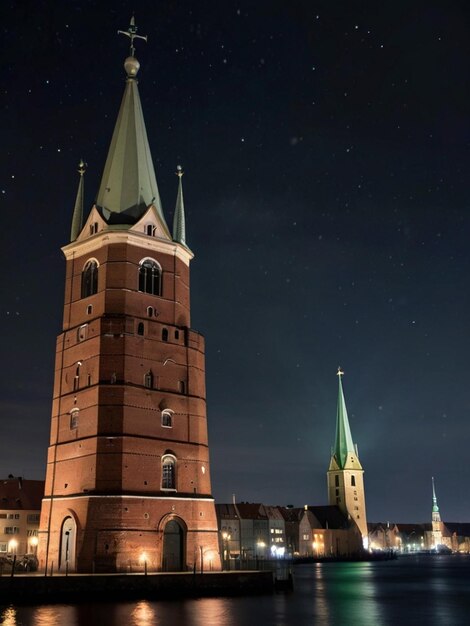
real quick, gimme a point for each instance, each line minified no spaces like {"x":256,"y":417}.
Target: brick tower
{"x":345,"y":473}
{"x":128,"y":474}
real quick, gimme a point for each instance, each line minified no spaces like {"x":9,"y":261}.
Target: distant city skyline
{"x":326,"y":152}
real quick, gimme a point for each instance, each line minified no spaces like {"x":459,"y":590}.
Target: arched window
{"x":76,"y":378}
{"x":168,"y":472}
{"x":140,"y":328}
{"x":149,"y":311}
{"x":90,"y":279}
{"x":353,"y":481}
{"x":182,"y":386}
{"x":165,"y":334}
{"x":148,"y":380}
{"x":74,"y":418}
{"x":150,"y":230}
{"x":150,"y":274}
{"x":167,"y":418}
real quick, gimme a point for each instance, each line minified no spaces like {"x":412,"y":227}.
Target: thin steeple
{"x":343,"y":441}
{"x":435,"y":508}
{"x":77,"y":219}
{"x":179,"y":223}
{"x":129,"y":186}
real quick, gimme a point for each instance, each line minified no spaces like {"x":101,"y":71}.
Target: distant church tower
{"x":436,"y":520}
{"x":345,"y":474}
{"x":128,"y":473}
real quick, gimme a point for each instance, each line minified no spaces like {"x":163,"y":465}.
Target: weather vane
{"x":131,"y":32}
{"x":179,"y":171}
{"x":339,"y":372}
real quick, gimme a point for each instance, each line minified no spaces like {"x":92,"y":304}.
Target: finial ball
{"x":132,"y":66}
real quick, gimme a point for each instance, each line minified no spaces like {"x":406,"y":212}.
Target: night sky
{"x":326,"y":151}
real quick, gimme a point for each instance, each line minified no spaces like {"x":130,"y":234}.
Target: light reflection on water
{"x":429,"y":591}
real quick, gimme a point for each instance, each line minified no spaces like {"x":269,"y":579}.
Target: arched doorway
{"x":68,"y":539}
{"x":173,"y":547}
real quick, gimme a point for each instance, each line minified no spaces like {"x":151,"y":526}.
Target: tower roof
{"x":179,"y":223}
{"x":129,"y":186}
{"x":435,"y":508}
{"x":343,"y":439}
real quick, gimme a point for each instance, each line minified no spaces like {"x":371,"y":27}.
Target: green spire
{"x":179,"y":224}
{"x":435,"y":508}
{"x":343,"y":440}
{"x":77,"y":219}
{"x":129,"y":186}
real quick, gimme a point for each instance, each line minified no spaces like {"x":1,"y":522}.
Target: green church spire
{"x":129,"y":186}
{"x":179,"y":224}
{"x":77,"y":219}
{"x":343,"y":440}
{"x":435,"y":508}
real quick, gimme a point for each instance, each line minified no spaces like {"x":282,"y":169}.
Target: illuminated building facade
{"x":345,"y":475}
{"x":20,"y":505}
{"x":128,"y":474}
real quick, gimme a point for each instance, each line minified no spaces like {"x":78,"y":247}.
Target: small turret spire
{"x":77,"y":219}
{"x":343,"y":440}
{"x":179,"y":223}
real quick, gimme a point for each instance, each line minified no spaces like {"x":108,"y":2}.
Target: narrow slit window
{"x":140,"y":328}
{"x":165,"y":334}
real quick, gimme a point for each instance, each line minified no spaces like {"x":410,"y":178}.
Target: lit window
{"x":150,"y":275}
{"x":90,"y":279}
{"x":168,"y":472}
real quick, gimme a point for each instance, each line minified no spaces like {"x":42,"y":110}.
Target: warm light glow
{"x":34,"y":541}
{"x":261,"y":544}
{"x":13,"y":544}
{"x":143,"y":557}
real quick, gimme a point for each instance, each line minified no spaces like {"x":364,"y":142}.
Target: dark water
{"x":413,"y":590}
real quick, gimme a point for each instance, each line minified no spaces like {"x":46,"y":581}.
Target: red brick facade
{"x":129,"y":399}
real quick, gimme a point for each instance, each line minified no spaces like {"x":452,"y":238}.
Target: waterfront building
{"x":128,"y":475}
{"x":345,"y":476}
{"x":327,"y":531}
{"x":384,"y":537}
{"x":20,"y":506}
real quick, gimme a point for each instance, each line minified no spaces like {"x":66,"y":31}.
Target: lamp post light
{"x":143,"y":559}
{"x":34,"y":544}
{"x":225,"y":545}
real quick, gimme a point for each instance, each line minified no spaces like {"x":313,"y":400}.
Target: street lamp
{"x":12,"y":546}
{"x":226,"y":554}
{"x":34,"y":543}
{"x":143,"y":559}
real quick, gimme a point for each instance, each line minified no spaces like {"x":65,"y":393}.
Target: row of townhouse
{"x":398,"y":537}
{"x":256,"y":531}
